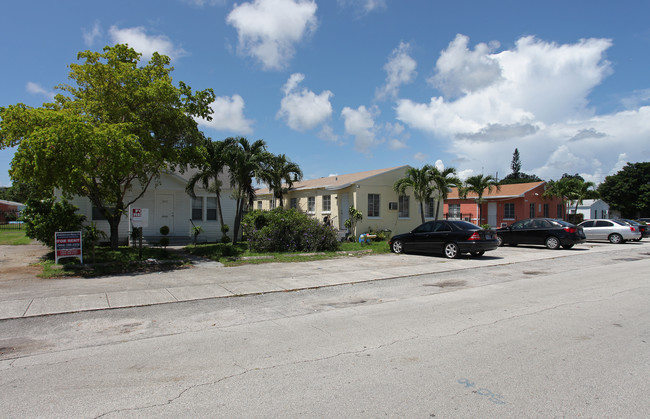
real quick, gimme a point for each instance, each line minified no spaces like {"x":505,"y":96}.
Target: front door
{"x":344,"y":209}
{"x":165,"y":212}
{"x":492,"y":214}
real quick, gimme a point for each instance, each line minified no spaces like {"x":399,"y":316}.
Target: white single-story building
{"x":167,"y":204}
{"x":591,"y":209}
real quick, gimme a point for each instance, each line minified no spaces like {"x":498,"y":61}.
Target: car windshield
{"x":464,"y":225}
{"x":623,"y":223}
{"x":562,"y":223}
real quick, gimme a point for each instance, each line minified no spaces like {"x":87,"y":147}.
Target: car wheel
{"x":477,"y":254}
{"x":552,"y":242}
{"x":615,"y":238}
{"x":499,"y":240}
{"x":397,"y":247}
{"x":567,"y":246}
{"x":451,"y":251}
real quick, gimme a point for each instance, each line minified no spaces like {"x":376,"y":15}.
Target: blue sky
{"x":341,"y":86}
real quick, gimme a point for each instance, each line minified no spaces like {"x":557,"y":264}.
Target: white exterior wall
{"x":169,"y":205}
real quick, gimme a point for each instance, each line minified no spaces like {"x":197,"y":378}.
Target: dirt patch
{"x":16,"y":261}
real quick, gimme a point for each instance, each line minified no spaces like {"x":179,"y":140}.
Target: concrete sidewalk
{"x":205,"y":280}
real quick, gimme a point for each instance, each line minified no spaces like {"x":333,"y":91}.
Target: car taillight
{"x":632,"y":228}
{"x":474,"y":236}
{"x":570,"y":229}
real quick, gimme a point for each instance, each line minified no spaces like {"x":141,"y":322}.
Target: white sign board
{"x":140,"y":217}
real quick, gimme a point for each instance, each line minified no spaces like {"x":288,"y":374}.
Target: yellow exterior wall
{"x":358,"y":197}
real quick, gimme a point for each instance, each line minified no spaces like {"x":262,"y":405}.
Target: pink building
{"x":505,"y":206}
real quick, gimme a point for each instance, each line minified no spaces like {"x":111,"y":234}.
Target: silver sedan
{"x":612,"y":230}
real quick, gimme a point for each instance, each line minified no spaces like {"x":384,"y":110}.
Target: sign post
{"x":68,"y":244}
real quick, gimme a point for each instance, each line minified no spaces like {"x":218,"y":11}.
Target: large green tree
{"x":478,"y":184}
{"x":628,"y":191}
{"x":517,"y":176}
{"x":110,"y":134}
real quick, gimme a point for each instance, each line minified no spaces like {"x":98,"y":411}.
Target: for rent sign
{"x":68,"y":245}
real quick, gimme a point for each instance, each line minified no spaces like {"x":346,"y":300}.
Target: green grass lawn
{"x":13,"y":237}
{"x":128,"y":260}
{"x":239,"y":254}
{"x":112,"y":262}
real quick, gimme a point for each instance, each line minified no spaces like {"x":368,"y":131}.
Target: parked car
{"x":645,"y":220}
{"x":549,"y":232}
{"x":449,"y":237}
{"x":613,"y":230}
{"x":642,"y":227}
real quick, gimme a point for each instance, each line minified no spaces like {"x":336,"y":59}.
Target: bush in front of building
{"x":287,"y":230}
{"x":44,"y":218}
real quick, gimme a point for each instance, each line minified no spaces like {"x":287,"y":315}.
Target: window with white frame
{"x":373,"y":205}
{"x":311,"y":204}
{"x":509,"y":211}
{"x":211,"y":208}
{"x":454,"y":211}
{"x":430,"y":208}
{"x":403,"y":206}
{"x":293,"y":203}
{"x":197,"y":208}
{"x":272,"y":203}
{"x":259,"y":205}
{"x":327,"y":203}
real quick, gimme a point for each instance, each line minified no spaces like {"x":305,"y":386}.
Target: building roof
{"x":336,"y":182}
{"x":514,"y":190}
{"x":11,"y":203}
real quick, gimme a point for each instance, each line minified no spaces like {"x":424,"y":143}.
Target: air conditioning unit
{"x":392,"y":206}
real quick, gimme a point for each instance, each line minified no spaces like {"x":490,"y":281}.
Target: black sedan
{"x":550,"y":232}
{"x":451,"y":238}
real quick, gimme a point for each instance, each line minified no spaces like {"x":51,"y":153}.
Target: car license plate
{"x":488,"y":237}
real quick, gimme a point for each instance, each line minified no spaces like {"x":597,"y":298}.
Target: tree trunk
{"x":114,"y":223}
{"x":437,"y":208}
{"x":422,"y":211}
{"x":219,"y":211}
{"x":238,"y":217}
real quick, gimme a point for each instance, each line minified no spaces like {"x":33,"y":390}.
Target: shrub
{"x":287,"y":230}
{"x":44,"y":218}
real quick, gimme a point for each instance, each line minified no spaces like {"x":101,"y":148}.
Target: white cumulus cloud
{"x":534,"y":97}
{"x":302,"y":108}
{"x":268,"y":30}
{"x":139,"y":40}
{"x":360,"y":123}
{"x":228,"y":115}
{"x":400,"y":69}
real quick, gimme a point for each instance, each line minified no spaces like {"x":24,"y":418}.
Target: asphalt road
{"x":565,"y":337}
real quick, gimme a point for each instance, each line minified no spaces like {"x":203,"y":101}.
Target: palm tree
{"x":479,"y":184}
{"x":582,"y":190}
{"x":561,"y":189}
{"x":213,"y":165}
{"x":420,"y":180}
{"x":280,"y":176}
{"x":246,"y":161}
{"x":443,"y":180}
